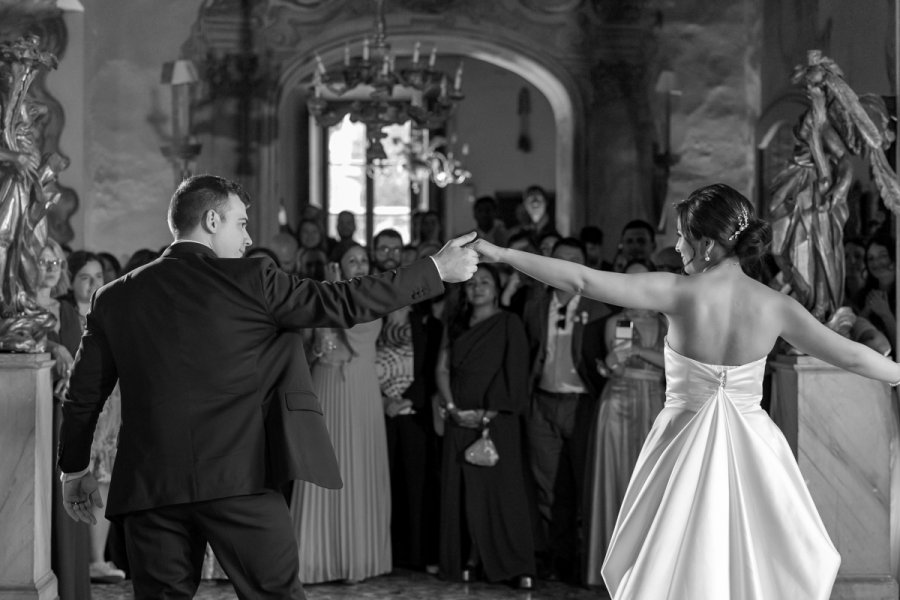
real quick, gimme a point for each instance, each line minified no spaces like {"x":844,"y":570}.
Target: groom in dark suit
{"x":218,"y":408}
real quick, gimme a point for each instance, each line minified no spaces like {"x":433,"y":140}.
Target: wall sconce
{"x":183,"y":148}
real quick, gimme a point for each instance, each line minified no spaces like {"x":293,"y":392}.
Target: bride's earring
{"x":706,"y":258}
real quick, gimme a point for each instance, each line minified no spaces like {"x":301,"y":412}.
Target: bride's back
{"x":724,"y":317}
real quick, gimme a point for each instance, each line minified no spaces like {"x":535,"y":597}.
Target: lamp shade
{"x":179,"y":72}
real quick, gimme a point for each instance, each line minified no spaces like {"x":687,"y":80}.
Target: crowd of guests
{"x":566,"y":389}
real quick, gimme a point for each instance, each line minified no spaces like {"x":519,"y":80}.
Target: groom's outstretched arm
{"x":299,"y":303}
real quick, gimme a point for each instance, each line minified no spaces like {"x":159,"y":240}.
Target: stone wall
{"x":604,"y":57}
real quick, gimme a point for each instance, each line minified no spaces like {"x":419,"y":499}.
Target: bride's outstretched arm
{"x":660,"y":292}
{"x":805,"y":333}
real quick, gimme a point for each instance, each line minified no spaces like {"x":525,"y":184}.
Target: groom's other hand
{"x":80,"y":496}
{"x":454,"y":262}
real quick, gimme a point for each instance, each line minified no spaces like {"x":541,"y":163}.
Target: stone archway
{"x":549,"y":78}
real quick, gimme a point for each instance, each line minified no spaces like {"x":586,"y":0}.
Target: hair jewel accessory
{"x":743,"y":222}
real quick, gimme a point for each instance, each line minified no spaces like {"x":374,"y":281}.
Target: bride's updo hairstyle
{"x":724,"y":215}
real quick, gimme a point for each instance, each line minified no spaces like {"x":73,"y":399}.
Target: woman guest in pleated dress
{"x":717,"y":506}
{"x":345,"y":534}
{"x":632,"y":398}
{"x":482,"y":378}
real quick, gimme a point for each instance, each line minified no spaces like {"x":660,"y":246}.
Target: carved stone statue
{"x":809,"y":196}
{"x":27,"y":190}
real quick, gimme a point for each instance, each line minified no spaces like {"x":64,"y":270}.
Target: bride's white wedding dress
{"x":716,"y":508}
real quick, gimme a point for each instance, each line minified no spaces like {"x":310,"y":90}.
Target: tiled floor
{"x":404,"y":585}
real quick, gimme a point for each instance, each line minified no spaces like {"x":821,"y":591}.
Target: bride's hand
{"x":487,"y":252}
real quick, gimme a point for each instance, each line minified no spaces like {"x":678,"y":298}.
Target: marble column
{"x":26,"y":472}
{"x":840,"y":427}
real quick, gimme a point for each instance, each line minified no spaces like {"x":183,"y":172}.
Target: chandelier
{"x":374,"y":91}
{"x":424,"y":161}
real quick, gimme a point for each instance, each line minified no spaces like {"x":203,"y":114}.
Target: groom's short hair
{"x":197,"y":195}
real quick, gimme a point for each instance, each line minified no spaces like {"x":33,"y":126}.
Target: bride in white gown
{"x":716,"y":507}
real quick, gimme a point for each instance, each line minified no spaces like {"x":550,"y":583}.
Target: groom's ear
{"x":210,"y":221}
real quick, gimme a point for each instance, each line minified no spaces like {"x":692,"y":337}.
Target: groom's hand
{"x":456,"y":263}
{"x":80,"y":496}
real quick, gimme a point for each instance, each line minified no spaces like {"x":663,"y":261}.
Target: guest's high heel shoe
{"x":525,"y":582}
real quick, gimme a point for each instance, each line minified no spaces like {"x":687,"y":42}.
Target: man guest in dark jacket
{"x":217,"y":403}
{"x":563,"y":334}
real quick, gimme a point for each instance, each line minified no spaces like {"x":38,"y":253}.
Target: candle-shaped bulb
{"x":433,"y":58}
{"x":416,"y":53}
{"x":366,"y":48}
{"x":385,"y":65}
{"x":457,"y":82}
{"x":443,"y":86}
{"x":319,"y":64}
{"x":347,"y":54}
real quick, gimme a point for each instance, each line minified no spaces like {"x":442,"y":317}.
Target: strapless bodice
{"x":690,"y":383}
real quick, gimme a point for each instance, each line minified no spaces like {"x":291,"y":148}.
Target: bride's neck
{"x":725,"y":262}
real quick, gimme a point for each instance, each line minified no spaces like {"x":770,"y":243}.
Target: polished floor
{"x":402,"y":585}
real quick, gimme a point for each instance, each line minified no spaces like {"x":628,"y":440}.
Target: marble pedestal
{"x":26,"y":472}
{"x":840,"y":427}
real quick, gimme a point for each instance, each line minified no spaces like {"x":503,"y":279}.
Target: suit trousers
{"x":558,"y":436}
{"x":251,"y":535}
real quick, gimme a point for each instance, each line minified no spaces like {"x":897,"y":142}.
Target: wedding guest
{"x":538,"y":213}
{"x":112,"y":268}
{"x":70,"y":541}
{"x":562,"y":329}
{"x":86,"y":275}
{"x":668,"y":260}
{"x":638,"y":240}
{"x":311,"y":263}
{"x":485,"y":516}
{"x":284,"y":246}
{"x":431,"y":229}
{"x":310,"y":235}
{"x":140,"y":258}
{"x":547,"y":242}
{"x":487,"y":225}
{"x":878,"y":298}
{"x":406,"y":358}
{"x":518,"y":287}
{"x":345,"y":534}
{"x":346,"y":229}
{"x":633,"y":396}
{"x":592,"y":238}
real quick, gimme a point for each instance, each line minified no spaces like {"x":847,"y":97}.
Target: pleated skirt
{"x":345,"y":534}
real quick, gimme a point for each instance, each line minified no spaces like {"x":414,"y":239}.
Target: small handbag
{"x":482,"y":452}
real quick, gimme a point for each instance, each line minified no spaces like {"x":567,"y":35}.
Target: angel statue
{"x":27,"y":189}
{"x":809,"y":196}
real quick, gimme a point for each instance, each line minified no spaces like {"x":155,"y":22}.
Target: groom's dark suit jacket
{"x":217,"y":399}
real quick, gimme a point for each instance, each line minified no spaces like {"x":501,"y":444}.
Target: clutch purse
{"x":482,"y":452}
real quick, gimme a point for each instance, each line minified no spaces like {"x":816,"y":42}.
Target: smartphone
{"x":624,"y":333}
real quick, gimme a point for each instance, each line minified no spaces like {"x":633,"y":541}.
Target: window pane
{"x":347,"y":175}
{"x":347,"y":143}
{"x":391,"y":184}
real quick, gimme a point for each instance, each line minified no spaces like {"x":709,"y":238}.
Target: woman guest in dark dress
{"x":485,"y":518}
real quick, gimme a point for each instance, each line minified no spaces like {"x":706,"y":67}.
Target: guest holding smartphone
{"x":632,"y":398}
